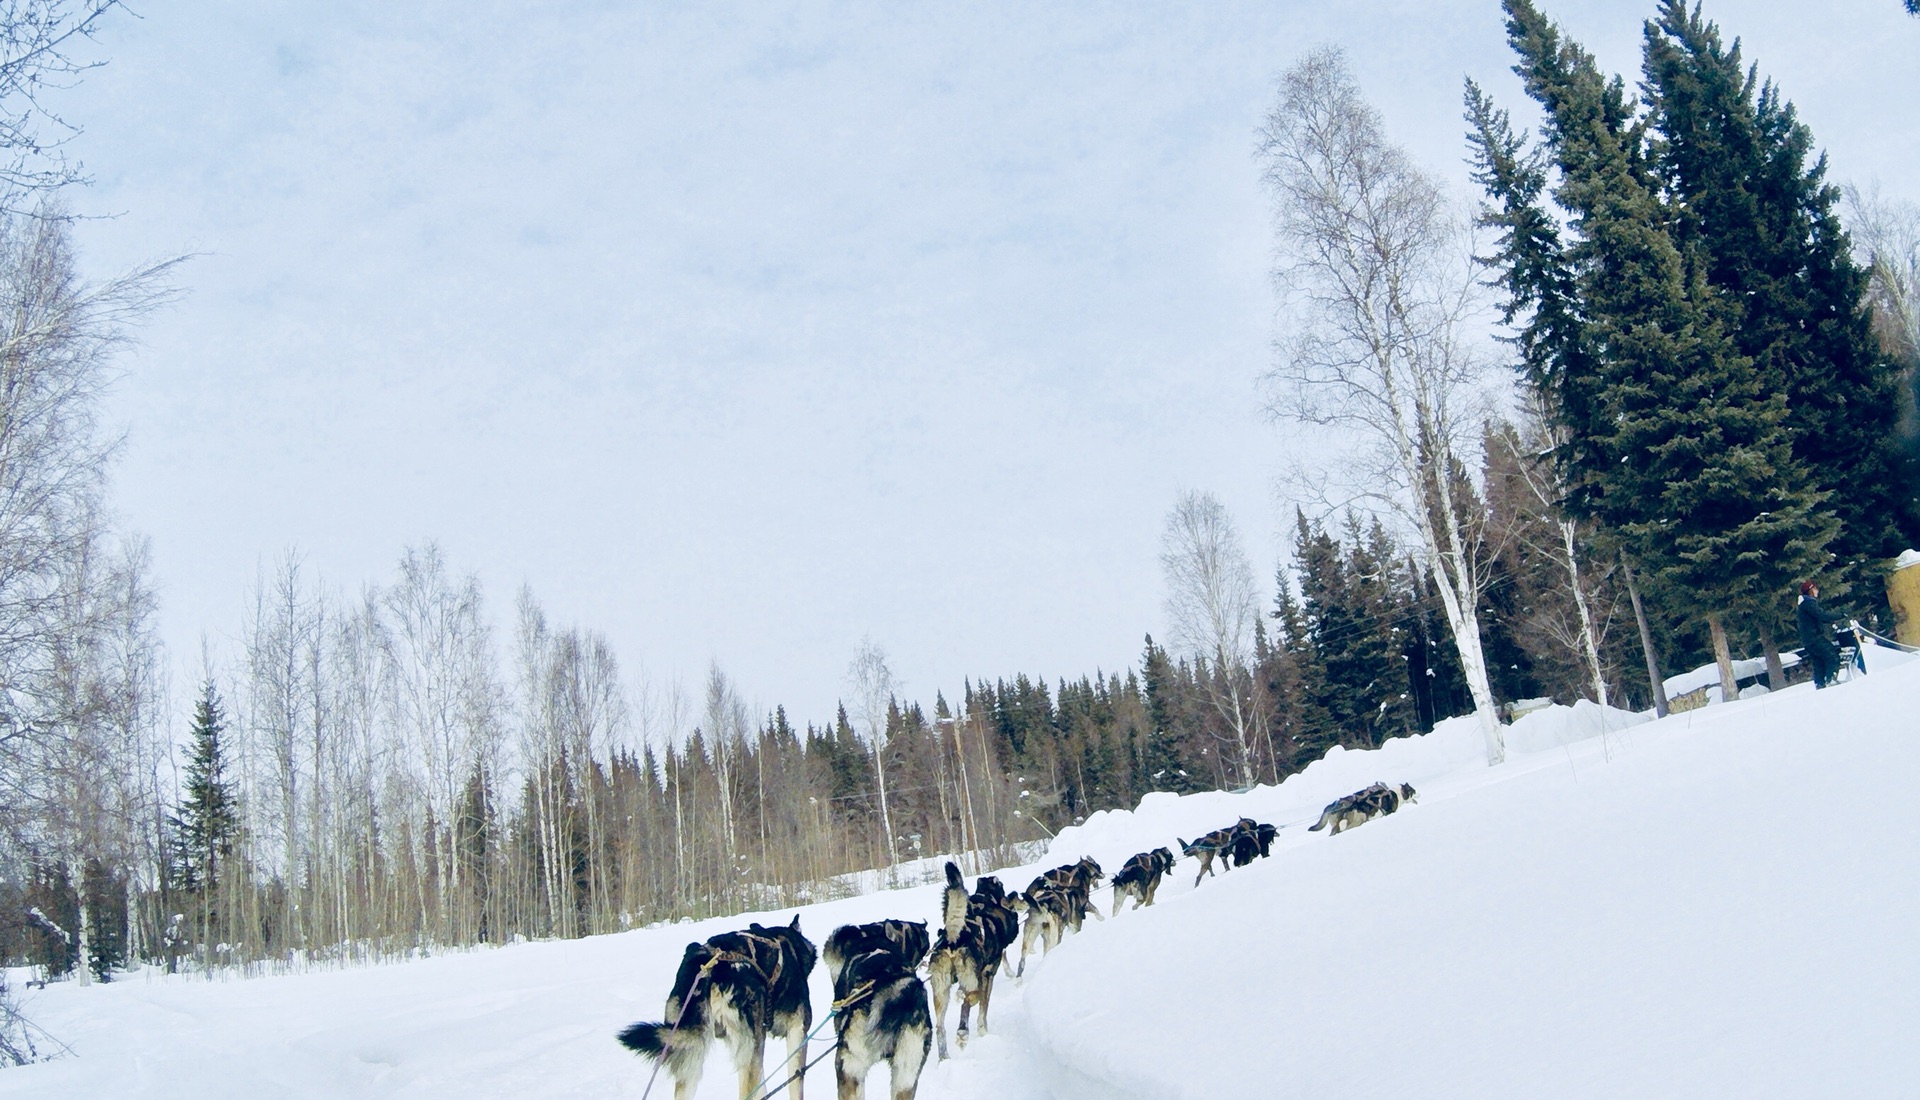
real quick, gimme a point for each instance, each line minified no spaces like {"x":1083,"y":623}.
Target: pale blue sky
{"x":743,"y":332}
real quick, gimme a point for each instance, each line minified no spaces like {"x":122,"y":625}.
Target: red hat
{"x":1807,"y":587}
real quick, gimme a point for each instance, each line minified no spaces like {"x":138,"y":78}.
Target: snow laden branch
{"x":1381,"y":292}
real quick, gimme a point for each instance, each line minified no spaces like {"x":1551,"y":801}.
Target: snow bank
{"x":1716,"y":906}
{"x":1557,"y":726}
{"x":1708,"y":676}
{"x":1164,"y":819}
{"x":1455,"y":744}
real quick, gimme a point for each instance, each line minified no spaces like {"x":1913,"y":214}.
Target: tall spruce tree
{"x":1733,"y":158}
{"x":1676,"y":444}
{"x":207,"y":822}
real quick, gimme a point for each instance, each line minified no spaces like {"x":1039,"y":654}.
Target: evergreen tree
{"x":1733,"y":158}
{"x":1678,"y":447}
{"x":207,"y":822}
{"x":1308,"y":731}
{"x":1162,"y":758}
{"x":1353,"y":621}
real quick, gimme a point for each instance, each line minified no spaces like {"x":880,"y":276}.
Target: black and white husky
{"x":1139,"y":878}
{"x":736,"y":987}
{"x":975,"y":932}
{"x":880,"y":1015}
{"x":906,"y":938}
{"x":1205,"y":848}
{"x":1359,"y":807}
{"x":1056,"y":902}
{"x":1077,"y":881}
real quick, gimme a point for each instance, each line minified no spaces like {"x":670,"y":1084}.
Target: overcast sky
{"x":743,"y":332}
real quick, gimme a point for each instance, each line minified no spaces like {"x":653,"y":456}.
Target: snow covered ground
{"x":1724,"y":902}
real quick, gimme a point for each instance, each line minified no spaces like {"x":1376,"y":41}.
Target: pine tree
{"x":1733,"y":158}
{"x":207,"y":822}
{"x":1680,"y":449}
{"x":1162,"y":758}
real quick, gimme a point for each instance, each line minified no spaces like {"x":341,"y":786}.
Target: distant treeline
{"x":383,"y":783}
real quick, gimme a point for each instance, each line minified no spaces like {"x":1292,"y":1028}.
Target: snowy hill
{"x":1719,"y":903}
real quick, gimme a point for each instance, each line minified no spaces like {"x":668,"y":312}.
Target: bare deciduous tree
{"x":38,"y":44}
{"x":1378,"y":274}
{"x":1530,"y":444}
{"x":1212,"y":607}
{"x":1886,"y":237}
{"x":873,"y":686}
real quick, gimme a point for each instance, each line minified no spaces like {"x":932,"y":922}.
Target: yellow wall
{"x":1903,"y":592}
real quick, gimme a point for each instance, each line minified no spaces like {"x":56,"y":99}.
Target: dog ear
{"x":796,"y":923}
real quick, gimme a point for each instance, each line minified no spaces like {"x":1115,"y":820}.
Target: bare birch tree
{"x":1530,"y":444}
{"x":1211,"y":607}
{"x":1377,"y":272}
{"x":39,"y":43}
{"x":1886,"y":237}
{"x":873,"y":687}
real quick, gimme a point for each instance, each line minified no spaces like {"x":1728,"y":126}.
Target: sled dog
{"x":880,"y":1015}
{"x":1046,"y":909}
{"x":736,"y":987}
{"x":1139,"y":878}
{"x":1056,"y":902}
{"x":1359,"y":807}
{"x":975,"y":932}
{"x":905,"y":938}
{"x":1250,"y":838}
{"x":1076,"y":882}
{"x":1205,"y":848}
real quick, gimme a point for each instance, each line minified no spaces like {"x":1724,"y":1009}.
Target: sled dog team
{"x":741,"y":988}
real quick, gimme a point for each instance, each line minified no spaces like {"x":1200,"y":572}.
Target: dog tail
{"x":953,"y":908}
{"x":647,"y":1039}
{"x":1317,"y":828}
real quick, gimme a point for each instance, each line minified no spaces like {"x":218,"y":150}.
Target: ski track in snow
{"x":1720,"y":903}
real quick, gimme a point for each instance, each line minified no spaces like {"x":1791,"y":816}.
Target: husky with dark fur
{"x":905,"y":938}
{"x":881,"y":1015}
{"x":974,"y":935}
{"x":1056,"y":902}
{"x":1359,"y":807}
{"x":1250,"y":838}
{"x":1045,"y":907}
{"x":736,"y":987}
{"x":1077,"y":882}
{"x":1139,"y":877}
{"x":1205,"y":848}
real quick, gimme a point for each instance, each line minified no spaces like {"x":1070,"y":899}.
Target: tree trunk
{"x":886,"y":819}
{"x":1589,"y":636}
{"x":1776,"y":669}
{"x":1723,"y":656}
{"x":1646,"y":644}
{"x":77,"y":874}
{"x":1460,"y":596}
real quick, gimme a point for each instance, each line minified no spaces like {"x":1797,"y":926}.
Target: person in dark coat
{"x":1816,"y":634}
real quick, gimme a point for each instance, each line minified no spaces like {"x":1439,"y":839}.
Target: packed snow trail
{"x":530,"y":1020}
{"x":1723,"y":902}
